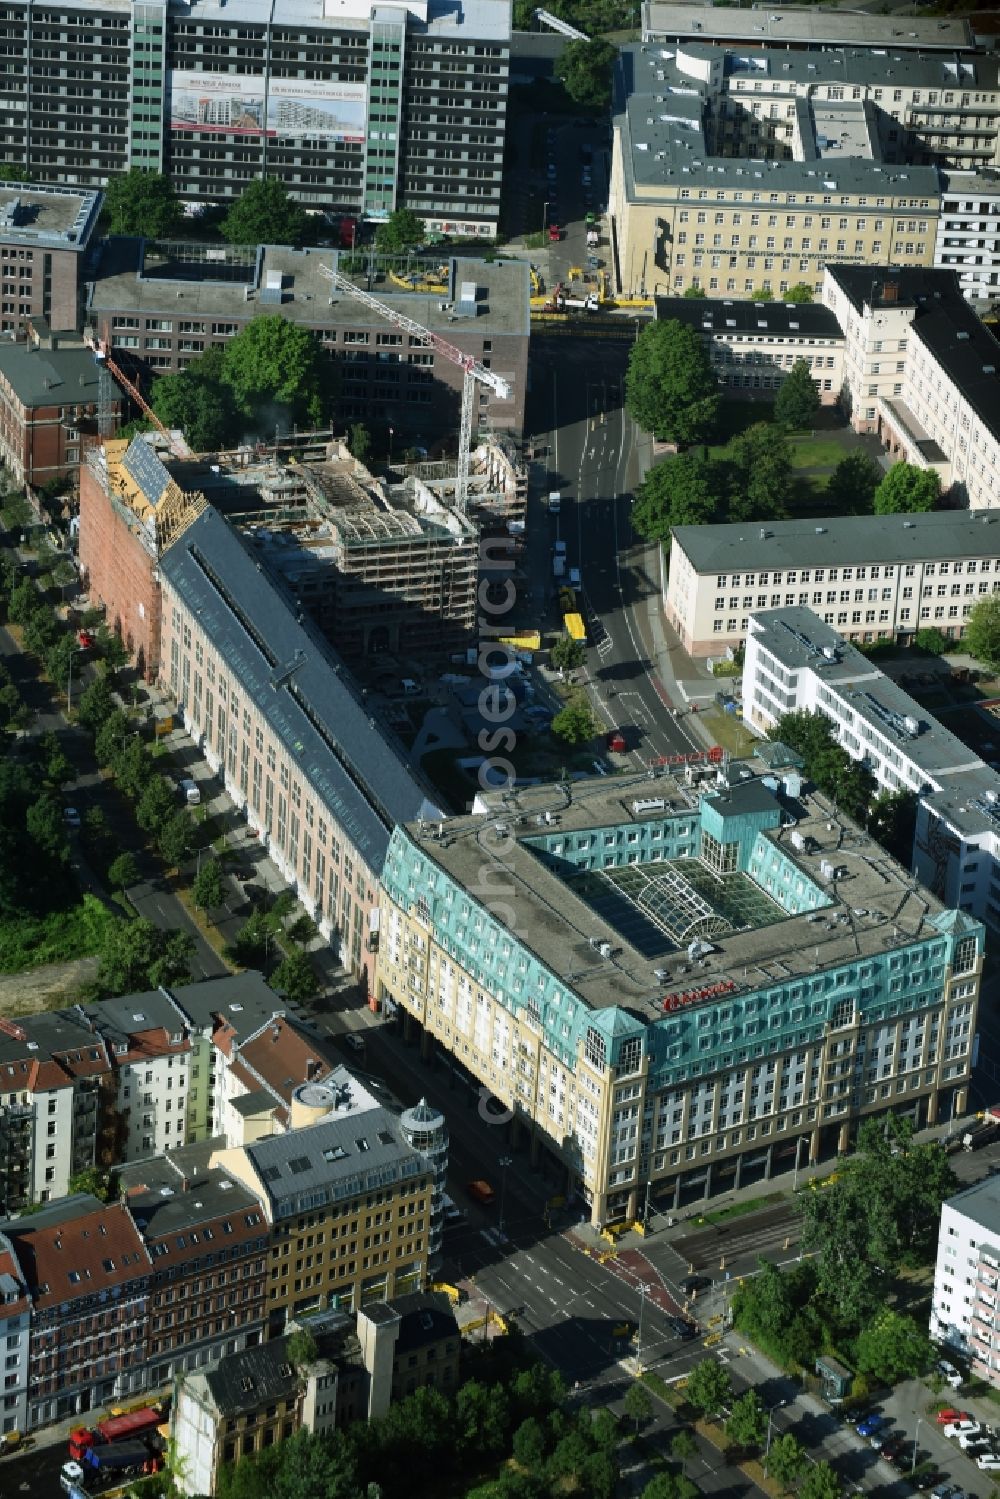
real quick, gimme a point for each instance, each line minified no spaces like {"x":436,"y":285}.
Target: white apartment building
{"x":968,"y":233}
{"x":795,"y":662}
{"x":920,"y":370}
{"x":753,"y":345}
{"x":965,"y":1303}
{"x":866,"y":575}
{"x":149,"y":1045}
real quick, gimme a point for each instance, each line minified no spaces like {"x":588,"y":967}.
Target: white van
{"x":192,"y":794}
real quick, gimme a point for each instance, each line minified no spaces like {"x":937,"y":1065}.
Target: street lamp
{"x":638,"y":1336}
{"x":504,"y":1162}
{"x":795,"y":1174}
{"x":646,"y":1207}
{"x":916,"y":1438}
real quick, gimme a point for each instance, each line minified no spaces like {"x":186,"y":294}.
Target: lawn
{"x":729,"y":730}
{"x":814,"y":454}
{"x":28,"y":942}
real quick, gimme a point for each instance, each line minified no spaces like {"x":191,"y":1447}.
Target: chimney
{"x":275,"y":1033}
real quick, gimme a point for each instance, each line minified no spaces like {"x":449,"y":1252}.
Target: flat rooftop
{"x":981,"y":1203}
{"x":959,"y":785}
{"x":566,"y":912}
{"x":758,"y":319}
{"x":813,"y":25}
{"x":839,"y":540}
{"x":178,"y":280}
{"x":50,"y":217}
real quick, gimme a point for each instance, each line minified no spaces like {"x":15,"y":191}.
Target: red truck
{"x":131,"y":1426}
{"x":555,"y":234}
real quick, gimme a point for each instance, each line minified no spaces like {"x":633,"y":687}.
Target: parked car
{"x":71,"y":817}
{"x":947,"y":1491}
{"x":892,"y":1447}
{"x":962,"y":1428}
{"x":870,"y":1425}
{"x":988,"y":1462}
{"x":692,"y":1284}
{"x":949,"y":1373}
{"x":970,"y":1439}
{"x":950,"y":1414}
{"x":354,"y":1042}
{"x":481,"y":1191}
{"x":84,"y":640}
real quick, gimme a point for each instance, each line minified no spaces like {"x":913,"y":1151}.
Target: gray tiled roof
{"x":337,"y":1158}
{"x":362,"y":778}
{"x":840,"y":540}
{"x":724,"y":315}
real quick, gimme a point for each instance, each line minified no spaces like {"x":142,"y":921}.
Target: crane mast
{"x":473,"y":373}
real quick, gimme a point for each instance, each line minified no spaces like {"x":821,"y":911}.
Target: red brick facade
{"x":119,"y":569}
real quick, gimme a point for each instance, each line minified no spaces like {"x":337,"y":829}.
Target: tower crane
{"x":108,"y":367}
{"x":473,"y":372}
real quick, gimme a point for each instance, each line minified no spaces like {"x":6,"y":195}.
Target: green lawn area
{"x":28,"y":942}
{"x":729,"y":730}
{"x":822,"y":449}
{"x":815,"y":452}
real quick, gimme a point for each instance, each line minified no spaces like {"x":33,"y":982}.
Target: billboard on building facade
{"x":316,"y":107}
{"x":228,"y":102}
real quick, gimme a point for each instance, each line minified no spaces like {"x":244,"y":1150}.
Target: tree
{"x":893,"y":1347}
{"x":567,"y":654}
{"x":850,"y":489}
{"x":670,"y":388}
{"x":760,"y":467}
{"x":530,"y":1444}
{"x":132,"y":768}
{"x":17,"y":513}
{"x":599,"y":1475}
{"x":359,"y":440}
{"x":694,"y":293}
{"x":762,"y":294}
{"x":829,"y":766}
{"x":584,"y":70}
{"x":821,"y":1482}
{"x":175,"y":838}
{"x":800,"y":293}
{"x":209,"y":887}
{"x":92,"y":1179}
{"x":785,"y":1460}
{"x":264,"y":214}
{"x":55,"y":761}
{"x":797,"y":401}
{"x":709,"y":1386}
{"x":681,"y":491}
{"x":575,"y":724}
{"x":111,"y":737}
{"x":123,"y":871}
{"x":683,"y":1447}
{"x":46,"y":827}
{"x":402,"y":231}
{"x":199,"y":404}
{"x":274,"y":360}
{"x":892,"y":820}
{"x":295,"y":977}
{"x":907,"y":489}
{"x":142,"y":203}
{"x":638,"y":1403}
{"x":777,"y":1310}
{"x":301,"y":1348}
{"x":303,"y":930}
{"x":136,"y":955}
{"x":95,"y":704}
{"x":747,"y":1424}
{"x":982,"y":630}
{"x":932,"y":640}
{"x":155,"y":804}
{"x":670,"y":1486}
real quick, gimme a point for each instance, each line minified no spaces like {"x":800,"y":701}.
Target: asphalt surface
{"x":577,"y":395}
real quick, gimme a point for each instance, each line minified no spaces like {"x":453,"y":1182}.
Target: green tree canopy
{"x":123,"y":871}
{"x":683,"y":1446}
{"x":851,"y":487}
{"x":892,"y":819}
{"x":359,"y":440}
{"x":46,"y":827}
{"x":301,"y":1348}
{"x":828,"y":765}
{"x":821,"y":1482}
{"x":982,"y":630}
{"x":142,"y":203}
{"x":684,"y":490}
{"x":295,"y":977}
{"x":932,"y":640}
{"x":175,"y":837}
{"x":694,"y":293}
{"x":136,"y":955}
{"x":709,"y":1386}
{"x":797,"y":401}
{"x":893,"y":1347}
{"x":760,"y":467}
{"x":198,"y":403}
{"x":156,"y":804}
{"x":670,"y":388}
{"x":786,"y":1460}
{"x":567,"y":654}
{"x":530,"y":1443}
{"x":747,"y":1424}
{"x":273,"y":361}
{"x":264,"y":214}
{"x":402,"y":231}
{"x":575,"y":724}
{"x":800,"y":292}
{"x":907,"y":489}
{"x":584,"y":69}
{"x":777,"y":1310}
{"x":209,"y":887}
{"x":638,"y":1403}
